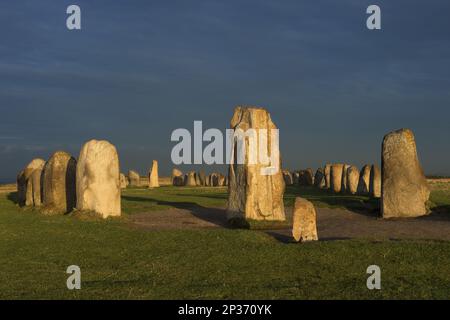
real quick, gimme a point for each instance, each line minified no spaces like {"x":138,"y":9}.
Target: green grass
{"x":121,"y":263}
{"x":136,"y":200}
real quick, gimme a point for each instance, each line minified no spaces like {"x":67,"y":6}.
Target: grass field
{"x":118,"y":262}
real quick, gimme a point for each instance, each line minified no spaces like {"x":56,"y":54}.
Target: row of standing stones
{"x":94,"y":182}
{"x":339,"y":178}
{"x":62,"y":184}
{"x":178,"y":179}
{"x":400,"y":184}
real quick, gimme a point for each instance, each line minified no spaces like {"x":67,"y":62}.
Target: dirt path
{"x":333,"y":224}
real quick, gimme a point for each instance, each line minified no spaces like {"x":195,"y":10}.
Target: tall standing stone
{"x":364,"y":180}
{"x":295,"y":178}
{"x":123,"y":181}
{"x":24,"y":182}
{"x":37,"y":186}
{"x":98,"y":179}
{"x":221,"y":180}
{"x":202,"y":177}
{"x":255,"y":192}
{"x":59,"y":183}
{"x":288,"y":179}
{"x":404,"y":187}
{"x":327,"y":173}
{"x":319,"y":179}
{"x":153,"y":179}
{"x":375,"y":182}
{"x":344,"y":178}
{"x":306,"y":177}
{"x":336,"y":174}
{"x":352,"y":179}
{"x":134,"y":178}
{"x":197,"y":179}
{"x":177,"y":178}
{"x":190,"y":179}
{"x":304,"y":221}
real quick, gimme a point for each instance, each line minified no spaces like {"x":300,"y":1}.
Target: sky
{"x":137,"y":70}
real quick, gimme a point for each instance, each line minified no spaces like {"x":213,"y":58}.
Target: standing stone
{"x":306,"y":177}
{"x":304,"y":221}
{"x":214,"y":179}
{"x":375,"y":182}
{"x":364,"y":180}
{"x":404,"y":187}
{"x":344,"y":178}
{"x":134,"y":178}
{"x":202,"y":177}
{"x":197,"y":179}
{"x":327,"y":173}
{"x":59,"y":184}
{"x":336,"y":173}
{"x":190,"y":180}
{"x":252,"y":194}
{"x":123,"y":181}
{"x":295,"y":178}
{"x":36,"y":186}
{"x":98,"y":179}
{"x":153,"y":177}
{"x":288,"y":180}
{"x":352,"y":179}
{"x":319,"y":179}
{"x":24,"y":182}
{"x":221,"y":180}
{"x":177,"y":178}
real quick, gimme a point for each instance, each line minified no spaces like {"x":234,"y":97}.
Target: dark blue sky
{"x":140,"y":69}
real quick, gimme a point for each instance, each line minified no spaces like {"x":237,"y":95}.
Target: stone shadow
{"x":215,"y":216}
{"x":13,"y":197}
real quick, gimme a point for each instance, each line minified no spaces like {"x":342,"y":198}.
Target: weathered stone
{"x":375,"y":182}
{"x":59,"y":184}
{"x":190,"y":180}
{"x":177,"y":178}
{"x":255,"y":191}
{"x":295,"y":178}
{"x":344,"y":178}
{"x":134,"y":178}
{"x":178,"y":181}
{"x":153,"y":177}
{"x":306,"y":177}
{"x":304,"y":221}
{"x":288,"y":179}
{"x":352,"y":179}
{"x":336,"y":174}
{"x":327,"y":173}
{"x":214,"y":179}
{"x":197,"y":179}
{"x":221,"y":180}
{"x":202,"y":177}
{"x":123,"y":181}
{"x":319,"y":179}
{"x":37,"y":186}
{"x":98,"y":179}
{"x":364,"y":180}
{"x":24,"y":183}
{"x":404,"y":187}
